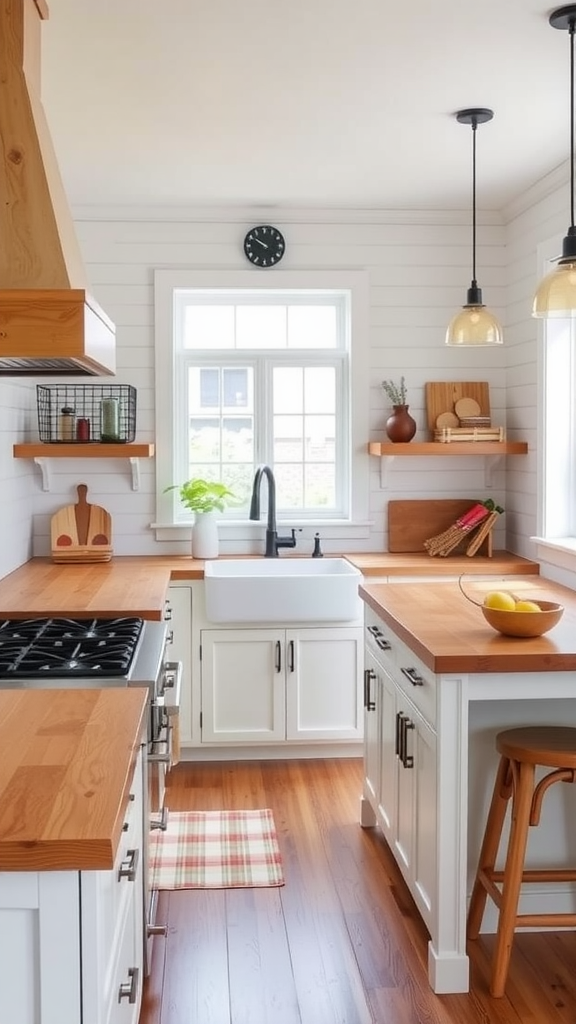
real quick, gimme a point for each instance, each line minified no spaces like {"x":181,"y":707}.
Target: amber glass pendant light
{"x":474,"y":324}
{"x":556,"y":294}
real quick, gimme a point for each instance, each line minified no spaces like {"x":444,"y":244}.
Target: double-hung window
{"x":257,"y":375}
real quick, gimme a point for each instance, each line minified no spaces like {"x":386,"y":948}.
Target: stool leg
{"x":514,"y":867}
{"x":490,"y":843}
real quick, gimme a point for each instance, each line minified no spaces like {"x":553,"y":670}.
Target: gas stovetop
{"x":52,"y":648}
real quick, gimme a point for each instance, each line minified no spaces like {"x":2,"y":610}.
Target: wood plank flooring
{"x":341,"y":942}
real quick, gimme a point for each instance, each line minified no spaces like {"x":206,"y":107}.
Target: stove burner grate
{"x":68,"y":647}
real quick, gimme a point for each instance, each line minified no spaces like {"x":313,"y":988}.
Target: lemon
{"x":527,"y":606}
{"x":500,"y":599}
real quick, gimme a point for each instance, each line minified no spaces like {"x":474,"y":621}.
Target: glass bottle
{"x":67,"y":424}
{"x":109,"y":420}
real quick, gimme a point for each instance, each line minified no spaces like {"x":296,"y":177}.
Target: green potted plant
{"x":204,"y":498}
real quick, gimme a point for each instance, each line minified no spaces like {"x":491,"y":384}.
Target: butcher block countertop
{"x":65,"y":773}
{"x":137,"y":585}
{"x":449,"y":634}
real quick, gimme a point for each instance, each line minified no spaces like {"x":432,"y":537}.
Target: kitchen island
{"x":72,"y":855}
{"x":439,"y":684}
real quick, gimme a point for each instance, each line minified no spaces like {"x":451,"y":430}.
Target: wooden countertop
{"x":449,"y":634}
{"x":137,"y":585}
{"x":65,"y":774}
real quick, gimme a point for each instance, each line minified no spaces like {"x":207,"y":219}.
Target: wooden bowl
{"x":524,"y":623}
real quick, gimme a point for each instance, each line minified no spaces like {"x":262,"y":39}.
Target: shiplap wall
{"x":419,"y":269}
{"x":418,"y":265}
{"x":18,"y":490}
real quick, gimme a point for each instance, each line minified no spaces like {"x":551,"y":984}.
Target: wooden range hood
{"x":49,"y":324}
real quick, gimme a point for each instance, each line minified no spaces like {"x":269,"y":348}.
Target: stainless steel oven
{"x":57,"y":653}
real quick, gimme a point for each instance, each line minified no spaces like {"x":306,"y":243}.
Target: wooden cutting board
{"x":81,"y":532}
{"x":410,"y":523}
{"x":441,"y":396}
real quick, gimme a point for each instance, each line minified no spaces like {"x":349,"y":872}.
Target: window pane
{"x":288,"y":393}
{"x":320,"y":389}
{"x":289,"y":486}
{"x":261,"y":327}
{"x":235,"y":383}
{"x":312,"y":327}
{"x":320,"y":489}
{"x":320,"y":438}
{"x":209,"y":327}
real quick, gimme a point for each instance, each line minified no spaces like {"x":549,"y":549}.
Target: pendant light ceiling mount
{"x":556,"y":294}
{"x":474,"y":324}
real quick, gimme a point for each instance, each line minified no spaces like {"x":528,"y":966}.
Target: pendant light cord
{"x":474,"y":126}
{"x":571,"y":30}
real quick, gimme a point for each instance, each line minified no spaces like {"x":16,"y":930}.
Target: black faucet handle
{"x":317,"y":553}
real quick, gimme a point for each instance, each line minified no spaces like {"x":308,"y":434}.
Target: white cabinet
{"x":400,"y":761}
{"x":72,"y":943}
{"x":280,"y":685}
{"x":180,"y":633}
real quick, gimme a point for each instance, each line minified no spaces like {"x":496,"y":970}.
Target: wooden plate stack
{"x":81,"y":532}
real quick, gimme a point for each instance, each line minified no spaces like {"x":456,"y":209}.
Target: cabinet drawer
{"x":125,"y":993}
{"x":415,"y":680}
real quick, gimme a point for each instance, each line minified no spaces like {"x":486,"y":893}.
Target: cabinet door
{"x":243,"y":685}
{"x":372,"y":691}
{"x":324,"y":684}
{"x":388,"y":779}
{"x":180,"y":601}
{"x":424,"y":848}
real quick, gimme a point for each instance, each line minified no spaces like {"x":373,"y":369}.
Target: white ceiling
{"x":303,"y":103}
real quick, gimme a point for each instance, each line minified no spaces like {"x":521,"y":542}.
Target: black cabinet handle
{"x":278,"y":656}
{"x":369,"y":675}
{"x":407,"y":759}
{"x":412,"y":675}
{"x":379,"y":638}
{"x":291,"y":656}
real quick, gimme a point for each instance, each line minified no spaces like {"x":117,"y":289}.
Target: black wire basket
{"x":81,"y":413}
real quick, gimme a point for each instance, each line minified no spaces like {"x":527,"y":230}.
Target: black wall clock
{"x":264,"y":246}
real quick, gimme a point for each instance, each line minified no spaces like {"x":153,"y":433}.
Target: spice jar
{"x":109,"y":420}
{"x":82,"y":429}
{"x":66,"y":424}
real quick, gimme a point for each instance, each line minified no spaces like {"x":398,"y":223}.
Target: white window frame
{"x":556,"y":469}
{"x":354,"y":281}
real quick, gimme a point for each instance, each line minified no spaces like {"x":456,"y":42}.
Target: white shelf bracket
{"x":44,"y":464}
{"x":385,"y":466}
{"x":492,"y":463}
{"x":135,"y":464}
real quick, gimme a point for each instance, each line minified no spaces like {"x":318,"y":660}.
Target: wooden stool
{"x":521,"y":750}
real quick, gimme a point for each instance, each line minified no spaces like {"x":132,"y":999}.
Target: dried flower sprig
{"x":396,"y":393}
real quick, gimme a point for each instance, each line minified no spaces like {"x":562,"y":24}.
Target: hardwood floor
{"x":341,"y":942}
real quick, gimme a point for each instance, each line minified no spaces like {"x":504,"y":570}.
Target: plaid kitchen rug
{"x":216,"y":850}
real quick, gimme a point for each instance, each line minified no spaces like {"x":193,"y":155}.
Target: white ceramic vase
{"x":205,"y":535}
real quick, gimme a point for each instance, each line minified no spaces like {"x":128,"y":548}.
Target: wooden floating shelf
{"x":42,"y":453}
{"x":414,"y":448}
{"x":38,"y":450}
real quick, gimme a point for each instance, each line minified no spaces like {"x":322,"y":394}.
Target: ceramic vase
{"x":400,"y":426}
{"x":205,"y":535}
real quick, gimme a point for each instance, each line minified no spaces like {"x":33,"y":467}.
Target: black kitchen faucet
{"x":273,"y":541}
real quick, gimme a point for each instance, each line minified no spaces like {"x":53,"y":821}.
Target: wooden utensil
{"x":81,"y":532}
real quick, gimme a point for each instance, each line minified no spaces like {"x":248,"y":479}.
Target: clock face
{"x":264,"y":246}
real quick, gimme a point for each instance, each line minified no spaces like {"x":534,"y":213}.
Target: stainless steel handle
{"x":129,"y":867}
{"x":379,"y":638}
{"x":278,"y":656}
{"x":166,"y":756}
{"x":129,"y":989}
{"x":171,"y":680}
{"x":412,"y":675}
{"x":161,"y":823}
{"x":157,"y":929}
{"x":167,"y":611}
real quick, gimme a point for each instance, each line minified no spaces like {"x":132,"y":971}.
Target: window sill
{"x":558,"y":557}
{"x":239,"y":536}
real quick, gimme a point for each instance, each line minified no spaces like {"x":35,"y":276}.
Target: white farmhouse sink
{"x":282,"y":590}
